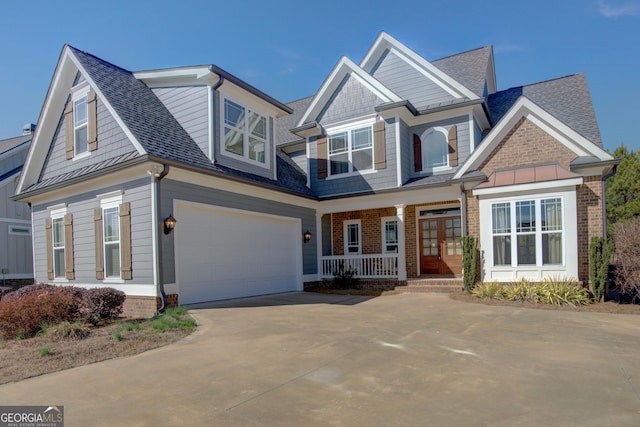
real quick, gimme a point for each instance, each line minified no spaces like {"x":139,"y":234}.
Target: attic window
{"x":246,"y":132}
{"x":80,"y":125}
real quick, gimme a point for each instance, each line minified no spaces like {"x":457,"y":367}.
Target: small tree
{"x":627,"y":256}
{"x":600,"y":250}
{"x":623,"y":188}
{"x":470,"y":262}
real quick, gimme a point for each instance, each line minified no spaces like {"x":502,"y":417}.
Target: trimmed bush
{"x":99,"y":304}
{"x":600,"y":250}
{"x":470,"y":262}
{"x":24,"y":317}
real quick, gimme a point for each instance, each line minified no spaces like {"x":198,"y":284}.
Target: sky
{"x":288,"y":48}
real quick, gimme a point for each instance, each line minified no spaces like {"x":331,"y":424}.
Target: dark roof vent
{"x":28,"y":129}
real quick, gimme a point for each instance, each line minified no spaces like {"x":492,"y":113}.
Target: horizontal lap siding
{"x":189,"y":105}
{"x":408,"y":83}
{"x":112,"y":142}
{"x":138,"y":194}
{"x":175,"y":190}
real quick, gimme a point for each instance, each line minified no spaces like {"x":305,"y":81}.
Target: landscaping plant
{"x":470,"y":262}
{"x":600,"y":250}
{"x":627,"y":257}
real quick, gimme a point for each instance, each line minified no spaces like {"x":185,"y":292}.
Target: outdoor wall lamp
{"x":169,"y":224}
{"x":307,"y":236}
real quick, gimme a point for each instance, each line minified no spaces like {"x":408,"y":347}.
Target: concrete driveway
{"x":404,"y":360}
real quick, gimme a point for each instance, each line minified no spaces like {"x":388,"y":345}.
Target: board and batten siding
{"x":177,"y":190}
{"x":366,"y":181}
{"x":189,"y":105}
{"x":15,"y":249}
{"x":407,"y":82}
{"x":112,"y":142}
{"x":138,"y":193}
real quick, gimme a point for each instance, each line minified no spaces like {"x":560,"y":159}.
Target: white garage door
{"x":225,"y":253}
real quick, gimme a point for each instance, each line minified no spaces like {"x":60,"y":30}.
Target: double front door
{"x":440,"y":246}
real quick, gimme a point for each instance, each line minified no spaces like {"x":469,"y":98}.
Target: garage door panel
{"x":223,"y":253}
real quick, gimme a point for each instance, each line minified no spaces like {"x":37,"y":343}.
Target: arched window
{"x":435,"y":149}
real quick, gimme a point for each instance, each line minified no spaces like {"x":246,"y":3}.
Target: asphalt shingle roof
{"x":566,"y":98}
{"x":158,"y":131}
{"x":8,"y":144}
{"x":467,"y":68}
{"x":284,"y":124}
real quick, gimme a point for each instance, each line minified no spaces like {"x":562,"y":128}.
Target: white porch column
{"x":402,"y":260}
{"x":318,"y":243}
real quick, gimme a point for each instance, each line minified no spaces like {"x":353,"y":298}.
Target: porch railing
{"x":365,"y":266}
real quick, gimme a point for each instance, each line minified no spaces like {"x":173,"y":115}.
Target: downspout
{"x":157,"y":177}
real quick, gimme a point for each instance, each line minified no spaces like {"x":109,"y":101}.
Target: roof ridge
{"x":463,"y":52}
{"x":540,"y":82}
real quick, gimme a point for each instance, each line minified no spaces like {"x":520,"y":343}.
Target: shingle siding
{"x":351,"y":100}
{"x":189,"y":105}
{"x":409,"y":83}
{"x":112,"y":142}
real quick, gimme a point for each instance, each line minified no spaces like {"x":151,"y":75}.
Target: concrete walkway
{"x":327,"y":360}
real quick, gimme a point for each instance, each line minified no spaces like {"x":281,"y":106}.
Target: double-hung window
{"x":352,"y":238}
{"x":80,"y":129}
{"x":389,"y":236}
{"x":435,"y":149}
{"x":111,"y":239}
{"x":246,"y":132}
{"x":57,"y":230}
{"x":351,"y":150}
{"x":536,"y":227}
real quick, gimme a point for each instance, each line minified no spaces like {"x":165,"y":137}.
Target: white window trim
{"x":78,"y":92}
{"x":58,"y":214}
{"x":384,"y":233}
{"x":345,"y":226}
{"x":348,"y":127}
{"x":107,"y":203}
{"x":569,"y":266}
{"x":423,"y":144}
{"x":268,"y":149}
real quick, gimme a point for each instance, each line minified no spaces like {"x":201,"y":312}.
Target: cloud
{"x":610,"y":10}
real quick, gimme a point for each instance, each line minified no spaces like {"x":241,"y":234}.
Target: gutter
{"x":156,"y":209}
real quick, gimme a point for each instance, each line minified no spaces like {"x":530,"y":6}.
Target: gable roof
{"x":469,"y":68}
{"x":152,"y":129}
{"x":11,"y":143}
{"x":284,"y":124}
{"x":566,"y":98}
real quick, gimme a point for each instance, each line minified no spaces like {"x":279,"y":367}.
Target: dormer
{"x":231,"y":121}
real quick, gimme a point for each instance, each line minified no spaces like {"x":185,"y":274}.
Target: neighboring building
{"x":386,"y":166}
{"x":16,"y":259}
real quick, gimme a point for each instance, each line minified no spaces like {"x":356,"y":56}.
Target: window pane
{"x":256,"y":150}
{"x":257,"y":125}
{"x":501,"y":250}
{"x":527,"y":249}
{"x":112,"y":259}
{"x":435,"y":150}
{"x":58,"y":262}
{"x":233,"y":114}
{"x":501,"y":217}
{"x":391,"y":232}
{"x":58,"y":232}
{"x":362,"y":160}
{"x":361,"y":138}
{"x":233,"y":141}
{"x":339,"y":164}
{"x":81,"y":140}
{"x":526,"y":216}
{"x":111,"y":220}
{"x":353,"y":234}
{"x":552,"y":248}
{"x":551,"y":214}
{"x":338,"y":143}
{"x":80,"y":112}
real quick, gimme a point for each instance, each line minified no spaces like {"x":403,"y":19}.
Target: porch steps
{"x":432,"y":284}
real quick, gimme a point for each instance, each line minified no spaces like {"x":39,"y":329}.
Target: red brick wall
{"x":590,"y":220}
{"x":371,"y":229}
{"x":139,"y":307}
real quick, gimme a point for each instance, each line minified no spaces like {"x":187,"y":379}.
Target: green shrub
{"x":100,"y":304}
{"x":44,"y":351}
{"x":470,"y":262}
{"x":600,"y":250}
{"x":488,"y":290}
{"x":344,"y":278}
{"x":117,"y":335}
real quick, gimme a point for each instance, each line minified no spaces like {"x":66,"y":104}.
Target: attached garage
{"x":226,"y":253}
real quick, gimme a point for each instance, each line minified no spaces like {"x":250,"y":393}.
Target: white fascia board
{"x":374,"y":201}
{"x":385,"y":41}
{"x":342,"y":68}
{"x":524,"y":107}
{"x":529,"y":188}
{"x":49,"y":118}
{"x":106,"y":103}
